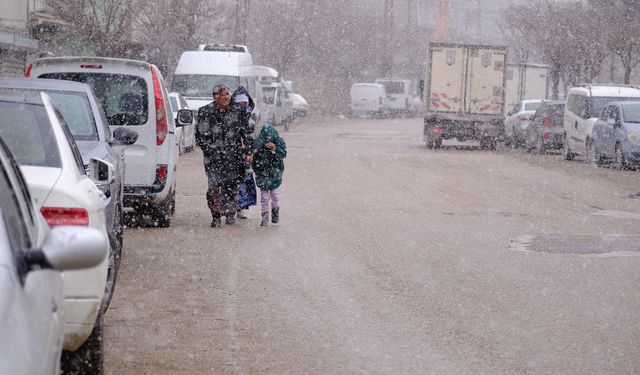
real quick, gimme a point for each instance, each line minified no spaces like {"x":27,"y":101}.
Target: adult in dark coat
{"x":221,"y":133}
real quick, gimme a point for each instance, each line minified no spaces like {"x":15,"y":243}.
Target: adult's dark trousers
{"x":222,"y":197}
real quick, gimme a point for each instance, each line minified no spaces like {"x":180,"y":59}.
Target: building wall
{"x":15,"y":42}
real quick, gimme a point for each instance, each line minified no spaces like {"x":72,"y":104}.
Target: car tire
{"x":566,"y":150}
{"x":592,"y":156}
{"x":619,"y":161}
{"x":88,"y":358}
{"x":162,"y":215}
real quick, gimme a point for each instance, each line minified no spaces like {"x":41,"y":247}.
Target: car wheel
{"x":88,"y":358}
{"x":568,"y":155}
{"x":619,"y":161}
{"x":110,"y":285}
{"x":162,"y":215}
{"x":592,"y":155}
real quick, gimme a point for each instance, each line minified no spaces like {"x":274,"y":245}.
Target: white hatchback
{"x":65,"y":195}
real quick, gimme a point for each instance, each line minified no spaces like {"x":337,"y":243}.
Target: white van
{"x":132,"y":94}
{"x":400,"y":94}
{"x":584,"y":104}
{"x":199,"y":71}
{"x":369,"y":99}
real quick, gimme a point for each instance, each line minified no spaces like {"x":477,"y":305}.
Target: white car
{"x":31,"y":287}
{"x":298,"y":102}
{"x":132,"y":94}
{"x":65,"y":195}
{"x":517,"y":121}
{"x":584,"y":104}
{"x":185,"y":135}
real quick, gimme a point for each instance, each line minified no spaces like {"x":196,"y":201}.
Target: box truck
{"x":525,"y":81}
{"x":465,"y":93}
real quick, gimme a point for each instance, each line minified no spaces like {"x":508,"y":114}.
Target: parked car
{"x":298,"y":102}
{"x":185,"y":135}
{"x":369,"y":99}
{"x":546,"y":130}
{"x":584,"y":105}
{"x":133,"y":95}
{"x":517,"y":121}
{"x":66,"y":194}
{"x":92,"y":135}
{"x":400,"y":94}
{"x":616,"y":135}
{"x":31,"y":286}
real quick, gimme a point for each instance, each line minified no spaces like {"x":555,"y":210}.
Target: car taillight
{"x":65,"y":216}
{"x":28,"y":72}
{"x":437,"y":130}
{"x":546,"y":123}
{"x":161,"y":173}
{"x":546,"y":136}
{"x":161,"y":116}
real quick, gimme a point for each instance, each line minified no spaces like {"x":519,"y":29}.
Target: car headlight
{"x":634,"y":137}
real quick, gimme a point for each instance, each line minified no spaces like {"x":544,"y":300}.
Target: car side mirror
{"x":101,"y":172}
{"x":184,"y":118}
{"x":125,"y":136}
{"x":69,"y":248}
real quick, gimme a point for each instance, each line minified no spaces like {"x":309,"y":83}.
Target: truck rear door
{"x":485,"y":81}
{"x":446,"y":79}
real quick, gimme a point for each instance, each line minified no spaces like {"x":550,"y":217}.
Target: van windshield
{"x":393,"y":87}
{"x":123,"y":97}
{"x":201,"y":85}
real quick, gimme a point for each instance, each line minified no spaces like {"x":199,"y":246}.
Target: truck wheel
{"x":487,"y":143}
{"x":88,"y":358}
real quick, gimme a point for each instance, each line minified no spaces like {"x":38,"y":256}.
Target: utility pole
{"x":245,"y":17}
{"x":389,"y":37}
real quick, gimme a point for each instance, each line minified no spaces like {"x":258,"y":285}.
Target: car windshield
{"x":123,"y":97}
{"x":598,"y":102}
{"x":531,"y":106}
{"x":26,"y":129}
{"x":200,"y":85}
{"x":631,"y":113}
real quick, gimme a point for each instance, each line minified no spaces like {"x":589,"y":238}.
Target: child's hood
{"x":268,"y":131}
